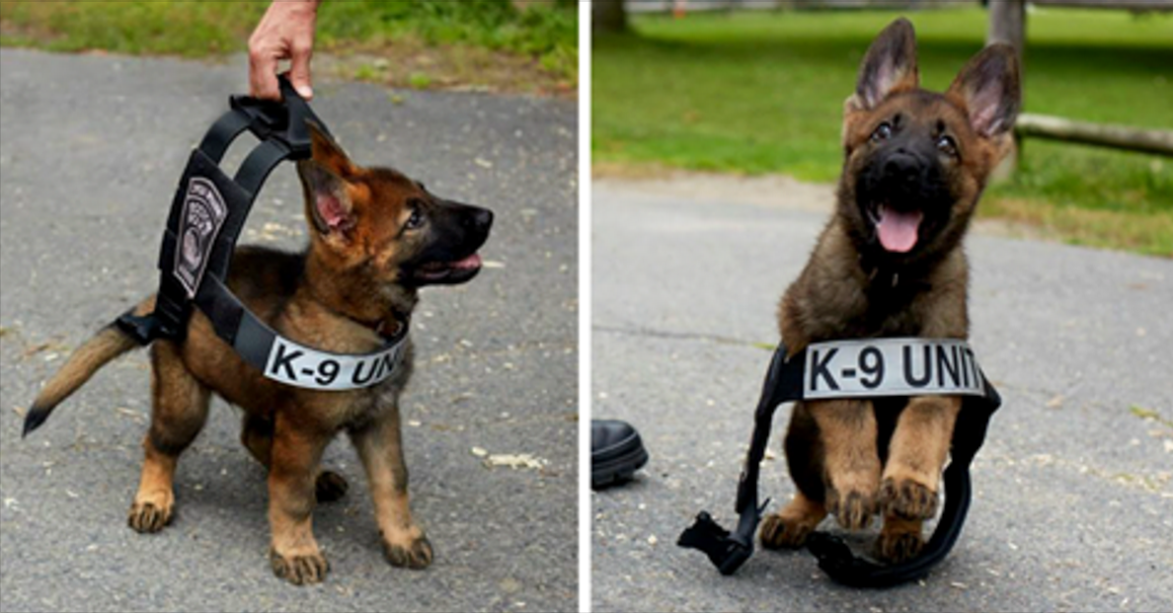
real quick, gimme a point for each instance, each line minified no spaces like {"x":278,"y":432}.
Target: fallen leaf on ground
{"x":515,"y":461}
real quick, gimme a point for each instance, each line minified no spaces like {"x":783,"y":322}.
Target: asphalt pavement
{"x":1073,"y":490}
{"x":91,"y":148}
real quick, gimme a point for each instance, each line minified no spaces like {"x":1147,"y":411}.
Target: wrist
{"x":301,"y":8}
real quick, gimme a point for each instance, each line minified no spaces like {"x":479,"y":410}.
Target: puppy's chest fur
{"x":840,"y":295}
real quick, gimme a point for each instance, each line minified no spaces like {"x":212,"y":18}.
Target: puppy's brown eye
{"x":883,"y":132}
{"x":946,"y":145}
{"x":417,"y":218}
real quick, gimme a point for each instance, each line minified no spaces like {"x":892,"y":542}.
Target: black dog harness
{"x":207,"y":215}
{"x":899,"y":367}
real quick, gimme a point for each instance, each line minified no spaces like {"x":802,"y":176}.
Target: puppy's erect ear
{"x":324,"y":180}
{"x":888,"y":67}
{"x":988,"y":88}
{"x":328,"y":205}
{"x":329,"y":154}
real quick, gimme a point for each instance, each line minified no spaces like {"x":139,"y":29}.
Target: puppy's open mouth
{"x":898,"y":231}
{"x":449,"y":272}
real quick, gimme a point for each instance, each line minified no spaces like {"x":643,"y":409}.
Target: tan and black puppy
{"x":376,"y":237}
{"x":890,"y":263}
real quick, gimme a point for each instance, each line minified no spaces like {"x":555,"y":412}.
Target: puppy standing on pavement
{"x":376,"y":238}
{"x":890,"y":263}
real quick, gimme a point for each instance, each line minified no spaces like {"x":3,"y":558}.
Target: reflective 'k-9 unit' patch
{"x":204,"y":212}
{"x":891,"y":367}
{"x":295,"y":364}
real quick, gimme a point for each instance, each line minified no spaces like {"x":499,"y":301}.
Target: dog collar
{"x":206,"y":218}
{"x":872,"y":368}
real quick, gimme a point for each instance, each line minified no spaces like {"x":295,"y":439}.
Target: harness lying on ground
{"x":870,"y":369}
{"x":206,"y":218}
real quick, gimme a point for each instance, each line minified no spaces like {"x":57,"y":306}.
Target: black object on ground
{"x":616,"y":452}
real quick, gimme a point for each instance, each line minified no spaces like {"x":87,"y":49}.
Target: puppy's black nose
{"x":903,"y":167}
{"x":480,"y":219}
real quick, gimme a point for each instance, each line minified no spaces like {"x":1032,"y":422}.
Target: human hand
{"x":286,"y":32}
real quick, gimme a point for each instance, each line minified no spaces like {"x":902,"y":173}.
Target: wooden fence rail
{"x":1119,"y":137}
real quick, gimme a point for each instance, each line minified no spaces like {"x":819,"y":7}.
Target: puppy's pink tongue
{"x":472,"y":261}
{"x":897,"y":229}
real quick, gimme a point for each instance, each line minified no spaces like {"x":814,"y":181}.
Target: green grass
{"x":545,"y":31}
{"x":763,"y":92}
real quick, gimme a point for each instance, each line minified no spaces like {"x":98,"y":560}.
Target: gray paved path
{"x":1073,"y":505}
{"x":90,"y":153}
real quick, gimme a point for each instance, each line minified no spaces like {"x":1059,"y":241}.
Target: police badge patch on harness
{"x":204,"y":213}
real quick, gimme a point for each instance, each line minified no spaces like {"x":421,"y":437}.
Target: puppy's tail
{"x":104,"y":346}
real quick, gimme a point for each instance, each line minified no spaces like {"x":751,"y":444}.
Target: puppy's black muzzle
{"x":456,"y":232}
{"x":904,"y":179}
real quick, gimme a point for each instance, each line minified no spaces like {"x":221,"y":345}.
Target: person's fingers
{"x":262,"y":76}
{"x":299,"y":71}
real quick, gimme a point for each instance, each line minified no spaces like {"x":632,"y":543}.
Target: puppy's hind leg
{"x":178,"y":413}
{"x":900,"y":539}
{"x":791,"y":526}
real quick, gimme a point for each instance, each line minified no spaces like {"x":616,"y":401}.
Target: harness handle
{"x":283,"y":120}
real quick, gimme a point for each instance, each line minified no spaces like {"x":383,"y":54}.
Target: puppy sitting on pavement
{"x":890,"y":263}
{"x":376,"y":237}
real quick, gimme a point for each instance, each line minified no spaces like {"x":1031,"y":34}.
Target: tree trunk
{"x":608,"y":16}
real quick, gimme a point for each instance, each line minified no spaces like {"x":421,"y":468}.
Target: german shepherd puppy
{"x":376,"y":237}
{"x":890,"y":263}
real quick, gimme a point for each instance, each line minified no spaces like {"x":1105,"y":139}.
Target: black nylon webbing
{"x":257,"y":166}
{"x":223,"y":132}
{"x":236,"y":325}
{"x":784,"y":383}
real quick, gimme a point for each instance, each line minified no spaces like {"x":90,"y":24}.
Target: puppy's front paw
{"x":151,"y":513}
{"x":416,"y":554}
{"x":300,"y":569}
{"x":853,"y":509}
{"x":908,"y":499}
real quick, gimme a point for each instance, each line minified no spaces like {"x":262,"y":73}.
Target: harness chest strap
{"x":203,"y":226}
{"x":860,"y":368}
